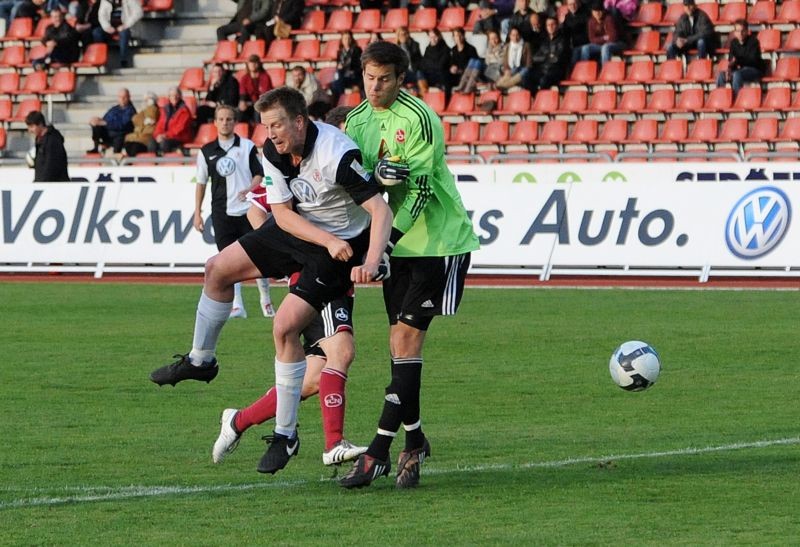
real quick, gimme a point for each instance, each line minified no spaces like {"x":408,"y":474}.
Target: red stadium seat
{"x":583,"y":73}
{"x":583,"y":132}
{"x":703,"y":131}
{"x":12,"y":56}
{"x":329,"y":51}
{"x":778,"y":99}
{"x":792,"y":42}
{"x":460,"y":104}
{"x":763,"y":130}
{"x":280,"y":50}
{"x":720,"y":99}
{"x":602,"y":102}
{"x":252,"y":47}
{"x":63,"y":82}
{"x":648,"y":42}
{"x":259,"y":135}
{"x":644,"y":131}
{"x":770,"y":40}
{"x":674,"y":130}
{"x":95,"y":56}
{"x":614,"y":131}
{"x":747,"y":100}
{"x":436,"y":100}
{"x":225,"y":52}
{"x":649,"y":15}
{"x":325,"y":76}
{"x":24,"y":108}
{"x":731,"y":12}
{"x":206,"y":133}
{"x":490,"y":101}
{"x":424,"y":19}
{"x":573,"y":101}
{"x":554,"y":132}
{"x":3,"y":138}
{"x":339,"y":21}
{"x":789,"y":12}
{"x":20,"y":29}
{"x":669,"y":71}
{"x":613,"y":73}
{"x":640,"y":72}
{"x":38,"y":30}
{"x":494,"y":134}
{"x":517,"y":102}
{"x":9,"y":83}
{"x":690,"y":100}
{"x":277,"y":75}
{"x":5,"y":109}
{"x":394,"y":19}
{"x":524,"y":132}
{"x":698,"y":71}
{"x":711,"y":9}
{"x":193,"y":80}
{"x":662,"y":100}
{"x":313,"y":23}
{"x":733,"y":130}
{"x":466,"y":132}
{"x":304,"y":51}
{"x":242,"y":129}
{"x":34,"y":83}
{"x":790,"y":132}
{"x":632,"y":101}
{"x":349,"y":99}
{"x":158,"y":5}
{"x":452,"y":17}
{"x":673,"y":13}
{"x":546,"y":101}
{"x":763,"y":12}
{"x":787,"y":69}
{"x":368,"y":20}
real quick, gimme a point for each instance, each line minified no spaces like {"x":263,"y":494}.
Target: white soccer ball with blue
{"x":634,"y":366}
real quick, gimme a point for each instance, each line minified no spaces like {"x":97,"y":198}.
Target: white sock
{"x":237,"y":296}
{"x":288,"y":383}
{"x":208,"y":323}
{"x":263,"y":289}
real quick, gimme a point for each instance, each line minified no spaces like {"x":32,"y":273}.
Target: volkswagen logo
{"x":303,"y":191}
{"x":226,"y":166}
{"x":758,"y":222}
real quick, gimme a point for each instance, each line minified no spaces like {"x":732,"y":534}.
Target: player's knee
{"x":310,"y":388}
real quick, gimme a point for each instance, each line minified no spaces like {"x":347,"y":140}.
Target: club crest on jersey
{"x":400,"y":136}
{"x":317,"y":175}
{"x":303,"y":190}
{"x":225,"y":166}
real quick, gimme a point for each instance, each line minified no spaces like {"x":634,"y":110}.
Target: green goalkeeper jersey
{"x":427,"y":208}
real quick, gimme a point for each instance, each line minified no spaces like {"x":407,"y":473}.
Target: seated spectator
{"x":144,"y":124}
{"x":605,"y":35}
{"x":110,"y":130}
{"x":519,"y":18}
{"x":489,"y":18}
{"x":532,"y":31}
{"x":8,"y":9}
{"x":489,"y":67}
{"x":61,"y":41}
{"x":289,"y":12}
{"x":625,"y":9}
{"x":460,"y":55}
{"x":116,"y":17}
{"x":174,"y":127}
{"x":86,"y":20}
{"x":248,"y":20}
{"x":252,"y":84}
{"x":551,"y":61}
{"x":434,"y":68}
{"x":307,"y":84}
{"x":348,"y":66}
{"x":30,"y":9}
{"x":517,"y":61}
{"x":337,"y":116}
{"x":694,"y":30}
{"x":411,"y":47}
{"x":50,"y":164}
{"x":544,"y":8}
{"x":223,"y":88}
{"x":744,"y":60}
{"x":575,"y":27}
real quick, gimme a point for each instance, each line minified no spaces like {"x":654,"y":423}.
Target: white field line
{"x":108,"y":493}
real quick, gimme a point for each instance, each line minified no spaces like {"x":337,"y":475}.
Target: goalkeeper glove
{"x":391,"y":171}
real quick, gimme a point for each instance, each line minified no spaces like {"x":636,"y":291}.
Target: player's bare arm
{"x":380,"y":229}
{"x":199,"y":194}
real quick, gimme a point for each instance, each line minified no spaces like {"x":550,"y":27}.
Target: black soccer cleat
{"x":408,"y":464}
{"x":183,"y":369}
{"x":365,"y":470}
{"x":280,"y":449}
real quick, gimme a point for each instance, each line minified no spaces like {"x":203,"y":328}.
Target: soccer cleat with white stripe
{"x":365,"y":470}
{"x":228,"y":438}
{"x":343,"y":451}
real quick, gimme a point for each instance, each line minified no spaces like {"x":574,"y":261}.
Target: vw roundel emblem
{"x":226,"y":166}
{"x":758,"y":222}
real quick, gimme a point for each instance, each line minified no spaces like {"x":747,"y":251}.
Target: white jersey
{"x":230,"y":167}
{"x":328,"y":186}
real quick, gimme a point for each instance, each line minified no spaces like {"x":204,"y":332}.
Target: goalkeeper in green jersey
{"x":402,"y":142}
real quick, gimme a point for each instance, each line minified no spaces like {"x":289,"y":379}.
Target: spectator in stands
{"x":86,"y":20}
{"x":489,"y":67}
{"x":489,"y":18}
{"x":116,"y":18}
{"x":694,"y":30}
{"x":252,"y":84}
{"x":30,"y":9}
{"x":576,"y":26}
{"x":744,"y":60}
{"x":50,"y":163}
{"x":411,"y":47}
{"x":348,"y":66}
{"x":551,"y":61}
{"x":544,"y":8}
{"x":517,"y":61}
{"x":605,"y":35}
{"x":61,"y":41}
{"x":110,"y":130}
{"x":248,"y":20}
{"x":289,"y":12}
{"x":624,"y":9}
{"x":434,"y":68}
{"x":307,"y":84}
{"x":223,"y":88}
{"x":337,"y":116}
{"x":8,"y":9}
{"x":374,"y":37}
{"x":174,"y":127}
{"x":460,"y":55}
{"x":519,"y":18}
{"x":532,"y":30}
{"x":144,"y":124}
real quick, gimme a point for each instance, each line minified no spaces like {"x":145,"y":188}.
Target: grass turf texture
{"x":514,"y":385}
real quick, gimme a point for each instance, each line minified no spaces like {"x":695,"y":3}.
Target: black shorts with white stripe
{"x":337,"y":316}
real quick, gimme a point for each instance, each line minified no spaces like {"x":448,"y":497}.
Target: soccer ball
{"x":30,"y":157}
{"x":634,"y":366}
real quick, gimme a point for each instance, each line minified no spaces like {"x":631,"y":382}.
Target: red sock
{"x":258,"y":412}
{"x":331,"y":401}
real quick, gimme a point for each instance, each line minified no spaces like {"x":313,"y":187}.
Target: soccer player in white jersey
{"x":329,"y":222}
{"x":232,"y":165}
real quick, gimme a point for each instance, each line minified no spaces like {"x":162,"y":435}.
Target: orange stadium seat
{"x":38,"y":30}
{"x":519,"y":102}
{"x":304,"y":51}
{"x":225,"y":52}
{"x":436,"y":100}
{"x":95,"y":56}
{"x":313,"y":23}
{"x":259,"y":135}
{"x":732,"y":11}
{"x":25,"y":107}
{"x":325,"y":76}
{"x":777,"y":99}
{"x":490,"y":101}
{"x":280,"y":50}
{"x":640,"y":72}
{"x":573,"y":101}
{"x":424,"y":19}
{"x":242,"y":129}
{"x":9,"y":83}
{"x":648,"y":42}
{"x":34,"y":83}
{"x":6,"y":107}
{"x":613,"y":73}
{"x":339,"y":21}
{"x":349,"y":99}
{"x":660,"y":101}
{"x":733,"y":130}
{"x":524,"y":132}
{"x":770,"y":40}
{"x":698,"y":71}
{"x":193,"y":79}
{"x":206,"y":133}
{"x":493,"y":135}
{"x":460,"y":104}
{"x":368,"y":20}
{"x":720,"y":99}
{"x":711,"y":9}
{"x":21,"y":28}
{"x":762,"y":12}
{"x":583,"y":73}
{"x":792,"y":42}
{"x":672,"y":14}
{"x":669,"y":71}
{"x":790,"y":132}
{"x":703,"y":130}
{"x":632,"y":101}
{"x":614,"y":131}
{"x":602,"y":102}
{"x":277,"y":75}
{"x":12,"y":56}
{"x":690,"y":100}
{"x":158,"y":5}
{"x":583,"y":132}
{"x":63,"y":82}
{"x":763,"y":130}
{"x":649,"y":15}
{"x":554,"y":132}
{"x":191,"y":103}
{"x":674,"y":130}
{"x":466,"y":133}
{"x":789,"y":12}
{"x":252,"y":47}
{"x":3,"y":138}
{"x":329,"y":51}
{"x":747,"y":100}
{"x":473,"y":17}
{"x":452,"y":17}
{"x":644,"y":131}
{"x":545,"y":102}
{"x":394,"y":19}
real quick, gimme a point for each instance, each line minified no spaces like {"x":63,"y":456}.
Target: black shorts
{"x":279,"y":254}
{"x":423,"y":287}
{"x":228,"y":229}
{"x":337,"y":316}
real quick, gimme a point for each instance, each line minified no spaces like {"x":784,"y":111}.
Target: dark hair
{"x":35,"y":118}
{"x":337,"y":115}
{"x":386,"y":53}
{"x":291,"y":100}
{"x":742,"y":23}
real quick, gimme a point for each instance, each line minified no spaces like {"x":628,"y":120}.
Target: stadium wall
{"x":665,"y":219}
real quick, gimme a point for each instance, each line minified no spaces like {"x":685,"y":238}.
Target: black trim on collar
{"x":284,"y":161}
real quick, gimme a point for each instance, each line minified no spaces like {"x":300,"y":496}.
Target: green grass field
{"x":532,"y":442}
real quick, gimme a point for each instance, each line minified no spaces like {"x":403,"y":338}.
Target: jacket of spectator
{"x":626,"y":8}
{"x":575,"y":25}
{"x":30,"y":9}
{"x":131,"y":14}
{"x":119,"y":119}
{"x":290,"y":11}
{"x":747,"y":53}
{"x":250,"y":89}
{"x":436,"y":59}
{"x":67,"y":39}
{"x":258,"y":13}
{"x":701,"y":27}
{"x":226,"y":91}
{"x":602,"y":32}
{"x":412,"y":49}
{"x":51,"y":157}
{"x":144,"y":125}
{"x":175,"y":123}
